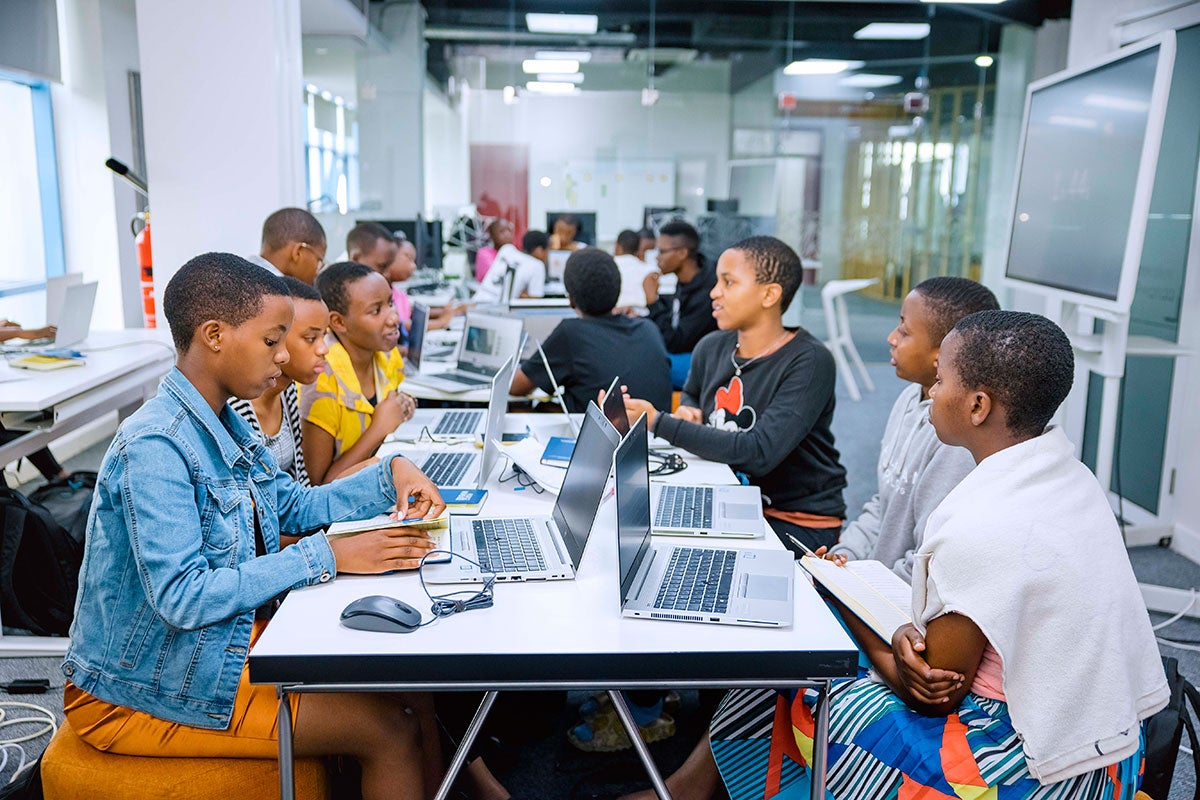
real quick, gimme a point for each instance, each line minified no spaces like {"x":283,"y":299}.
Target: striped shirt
{"x":290,"y":432}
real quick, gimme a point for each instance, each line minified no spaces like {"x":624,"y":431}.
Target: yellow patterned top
{"x":336,"y":403}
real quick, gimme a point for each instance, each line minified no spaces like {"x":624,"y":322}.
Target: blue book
{"x":464,"y":501}
{"x":558,"y":452}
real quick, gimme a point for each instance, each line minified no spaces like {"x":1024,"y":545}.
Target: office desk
{"x":123,"y":370}
{"x":546,"y":635}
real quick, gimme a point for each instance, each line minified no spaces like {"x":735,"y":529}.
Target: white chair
{"x":837,"y":327}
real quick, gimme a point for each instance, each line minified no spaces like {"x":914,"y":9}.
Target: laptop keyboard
{"x":447,"y":469}
{"x":507,"y":545}
{"x":468,"y":380}
{"x":697,"y":579}
{"x":457,"y":422}
{"x":684,"y":507}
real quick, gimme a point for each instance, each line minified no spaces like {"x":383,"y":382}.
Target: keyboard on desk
{"x":447,"y":469}
{"x":684,"y":507}
{"x":507,"y":545}
{"x":455,"y":423}
{"x":697,"y":579}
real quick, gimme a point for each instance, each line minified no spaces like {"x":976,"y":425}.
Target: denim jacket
{"x":170,"y":580}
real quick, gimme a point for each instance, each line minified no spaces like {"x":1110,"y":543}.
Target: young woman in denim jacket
{"x":183,"y":549}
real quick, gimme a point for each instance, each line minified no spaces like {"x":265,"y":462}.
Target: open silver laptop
{"x":488,"y":341}
{"x":56,"y":295}
{"x":717,"y":511}
{"x":538,"y":548}
{"x":459,"y":468}
{"x":417,"y":347}
{"x":690,"y":584}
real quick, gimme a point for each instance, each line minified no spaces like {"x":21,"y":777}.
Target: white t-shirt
{"x":633,"y":272}
{"x":529,"y":276}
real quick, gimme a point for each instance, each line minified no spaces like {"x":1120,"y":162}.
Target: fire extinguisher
{"x":141,"y":237}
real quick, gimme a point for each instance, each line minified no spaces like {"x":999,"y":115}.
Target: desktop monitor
{"x":426,"y":236}
{"x":1085,"y":173}
{"x":715,"y":206}
{"x":587,"y":224}
{"x":654,"y":217}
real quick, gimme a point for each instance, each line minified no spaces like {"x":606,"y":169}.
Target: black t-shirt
{"x":586,"y":353}
{"x":686,"y":317}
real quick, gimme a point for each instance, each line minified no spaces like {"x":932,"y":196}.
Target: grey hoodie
{"x":916,"y":472}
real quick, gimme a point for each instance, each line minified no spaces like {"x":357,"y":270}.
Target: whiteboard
{"x":617,"y":190}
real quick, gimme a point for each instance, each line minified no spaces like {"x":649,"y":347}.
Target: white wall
{"x":447,"y":155}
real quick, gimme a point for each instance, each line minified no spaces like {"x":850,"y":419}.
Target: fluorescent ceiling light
{"x":819,"y":66}
{"x":582,"y":56}
{"x":557,"y":77}
{"x":547,"y":87}
{"x":893,"y":30}
{"x":1116,"y":103}
{"x":967,"y":2}
{"x":984,"y":61}
{"x":867,"y":80}
{"x":562,"y":23}
{"x":533,"y":66}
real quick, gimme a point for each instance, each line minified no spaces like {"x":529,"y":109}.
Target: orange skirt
{"x":253,"y":733}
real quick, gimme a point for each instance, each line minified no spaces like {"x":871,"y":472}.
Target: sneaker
{"x":604,"y":733}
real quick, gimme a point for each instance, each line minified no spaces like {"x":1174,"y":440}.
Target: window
{"x":31,"y":241}
{"x":331,"y":152}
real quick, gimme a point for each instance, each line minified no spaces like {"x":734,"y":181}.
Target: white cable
{"x":1187,"y":750}
{"x":1178,"y":645}
{"x":22,"y":763}
{"x":48,"y":720}
{"x":1180,"y":615}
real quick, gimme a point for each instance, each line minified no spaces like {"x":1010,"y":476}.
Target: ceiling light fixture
{"x":559,"y":77}
{"x":967,"y":2}
{"x":820,"y":66}
{"x":867,"y":80}
{"x":551,"y":87}
{"x":532,"y":66}
{"x":562,"y":23}
{"x":893,"y":30}
{"x":582,"y":56}
{"x":984,"y":61}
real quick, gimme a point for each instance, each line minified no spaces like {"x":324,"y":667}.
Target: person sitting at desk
{"x":562,"y":235}
{"x":527,"y":270}
{"x":646,"y":243}
{"x":759,"y":397}
{"x":374,"y":245}
{"x":689,"y":315}
{"x":43,"y":459}
{"x":636,"y":274}
{"x":182,"y":560}
{"x":500,"y":232}
{"x":586,"y":353}
{"x":356,"y":402}
{"x":293,"y":244}
{"x":1030,"y":664}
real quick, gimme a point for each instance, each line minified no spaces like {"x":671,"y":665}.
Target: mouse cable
{"x":446,"y":605}
{"x":666,"y":463}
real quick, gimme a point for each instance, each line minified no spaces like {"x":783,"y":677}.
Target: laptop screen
{"x":494,"y":425}
{"x":556,"y":264}
{"x":633,"y":504}
{"x":583,"y":486}
{"x":488,"y":341}
{"x":416,"y":336}
{"x":614,"y":406}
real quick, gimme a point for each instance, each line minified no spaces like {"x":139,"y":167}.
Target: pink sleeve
{"x":483,"y":262}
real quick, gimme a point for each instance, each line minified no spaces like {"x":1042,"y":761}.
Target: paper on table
{"x":527,"y":454}
{"x":380,"y":521}
{"x":876,"y":595}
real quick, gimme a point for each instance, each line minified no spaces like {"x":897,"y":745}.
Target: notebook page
{"x":878,"y":596}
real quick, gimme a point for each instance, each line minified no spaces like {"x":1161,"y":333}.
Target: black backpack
{"x":41,"y":550}
{"x":1164,"y":731}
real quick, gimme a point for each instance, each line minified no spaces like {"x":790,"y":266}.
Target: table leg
{"x":820,"y":757}
{"x":287,"y":777}
{"x":460,"y":755}
{"x":635,"y":736}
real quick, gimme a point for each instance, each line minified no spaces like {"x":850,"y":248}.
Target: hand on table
{"x":689,"y":414}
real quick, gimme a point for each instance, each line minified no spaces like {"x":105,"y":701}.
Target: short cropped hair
{"x":494,"y":227}
{"x":333,"y":280}
{"x":682,"y":230}
{"x":568,"y":219}
{"x":289,"y":225}
{"x":592,"y":281}
{"x":532,"y":240}
{"x":363,"y":236}
{"x":645,"y":234}
{"x":299,"y":290}
{"x":1023,"y":360}
{"x":773,"y":262}
{"x":628,"y":240}
{"x":218,"y":286}
{"x":951,"y":299}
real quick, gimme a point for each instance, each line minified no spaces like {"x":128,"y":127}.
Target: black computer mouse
{"x":380,"y":613}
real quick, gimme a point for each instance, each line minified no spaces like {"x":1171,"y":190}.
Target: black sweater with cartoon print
{"x":772,"y":423}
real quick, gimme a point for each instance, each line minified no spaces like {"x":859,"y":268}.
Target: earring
{"x":216,"y":348}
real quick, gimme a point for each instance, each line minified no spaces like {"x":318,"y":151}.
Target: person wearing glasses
{"x":685,"y":318}
{"x":293,"y":244}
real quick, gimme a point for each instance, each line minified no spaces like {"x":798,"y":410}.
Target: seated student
{"x":275,"y":414}
{"x":500,"y":232}
{"x":293,"y":244}
{"x":634,"y":271}
{"x":915,"y":470}
{"x":1019,"y":678}
{"x":688,"y":316}
{"x":528,"y":270}
{"x":588,"y":352}
{"x":646,"y":243}
{"x":356,"y":402}
{"x":374,"y":245}
{"x":759,"y":397}
{"x":182,"y":548}
{"x":562,"y":235}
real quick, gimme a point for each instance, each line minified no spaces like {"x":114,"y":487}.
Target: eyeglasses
{"x":665,"y":250}
{"x":320,"y":259}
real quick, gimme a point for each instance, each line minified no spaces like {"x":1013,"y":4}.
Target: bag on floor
{"x":1164,"y":732}
{"x":41,"y":550}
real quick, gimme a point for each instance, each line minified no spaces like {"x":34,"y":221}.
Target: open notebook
{"x":876,"y":595}
{"x":437,"y":529}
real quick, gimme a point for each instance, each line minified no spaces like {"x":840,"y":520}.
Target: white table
{"x":123,"y":370}
{"x":550,"y":635}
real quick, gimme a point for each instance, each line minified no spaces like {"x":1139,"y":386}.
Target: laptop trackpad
{"x":766,"y":587}
{"x":747,"y":511}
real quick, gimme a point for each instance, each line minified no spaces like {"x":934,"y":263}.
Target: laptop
{"x":614,"y":407}
{"x":718,"y":511}
{"x":56,"y":295}
{"x":690,"y":584}
{"x":538,"y":548}
{"x":458,"y":468}
{"x":416,"y":340}
{"x":488,"y":342}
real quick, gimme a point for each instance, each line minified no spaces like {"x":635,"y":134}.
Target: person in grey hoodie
{"x":916,"y":471}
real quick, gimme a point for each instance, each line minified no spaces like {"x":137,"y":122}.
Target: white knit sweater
{"x":1028,"y":548}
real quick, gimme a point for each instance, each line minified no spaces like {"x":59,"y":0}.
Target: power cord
{"x":666,"y":463}
{"x":523,"y":478}
{"x":447,"y":605}
{"x":44,"y":718}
